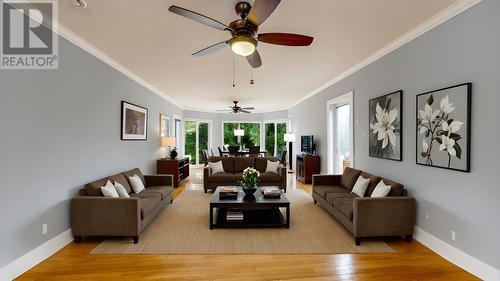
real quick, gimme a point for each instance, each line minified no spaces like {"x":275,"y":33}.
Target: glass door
{"x":196,"y":140}
{"x":342,"y":138}
{"x":274,"y":138}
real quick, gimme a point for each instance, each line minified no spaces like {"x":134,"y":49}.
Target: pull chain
{"x":234,"y":74}
{"x":251,"y":76}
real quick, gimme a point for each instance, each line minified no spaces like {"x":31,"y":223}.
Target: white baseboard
{"x":35,"y":256}
{"x":456,"y":256}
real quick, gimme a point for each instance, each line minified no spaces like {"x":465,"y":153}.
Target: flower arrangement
{"x":250,"y":177}
{"x":438,"y":127}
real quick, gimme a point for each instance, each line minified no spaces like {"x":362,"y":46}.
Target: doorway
{"x":340,"y":132}
{"x":196,"y":140}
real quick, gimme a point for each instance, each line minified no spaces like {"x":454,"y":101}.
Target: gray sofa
{"x":233,"y":172}
{"x":92,"y":214}
{"x":393,"y":215}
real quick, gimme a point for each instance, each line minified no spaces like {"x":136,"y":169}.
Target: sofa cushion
{"x":397,"y":189}
{"x":261,"y":163}
{"x":330,"y":197}
{"x":349,"y":177}
{"x":226,"y":177}
{"x":344,"y":205}
{"x":147,"y":205}
{"x":373,"y":183}
{"x":133,"y":172}
{"x":146,"y":195}
{"x":241,"y":163}
{"x":164,"y":191}
{"x":238,"y":176}
{"x":269,"y":177}
{"x":94,"y":188}
{"x":227,"y":163}
{"x":122,"y":180}
{"x":322,"y":190}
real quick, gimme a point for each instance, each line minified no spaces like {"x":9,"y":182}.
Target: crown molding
{"x":93,"y":50}
{"x":438,"y":19}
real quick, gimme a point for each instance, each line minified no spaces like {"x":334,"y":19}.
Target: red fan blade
{"x":254,"y":59}
{"x":261,"y":10}
{"x":285,"y":39}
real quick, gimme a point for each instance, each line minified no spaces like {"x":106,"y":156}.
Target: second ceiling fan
{"x":244,"y":30}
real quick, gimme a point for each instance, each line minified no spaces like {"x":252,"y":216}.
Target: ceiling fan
{"x":237,"y":109}
{"x":244,"y":30}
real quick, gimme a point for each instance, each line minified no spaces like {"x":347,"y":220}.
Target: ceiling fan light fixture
{"x":243,"y":45}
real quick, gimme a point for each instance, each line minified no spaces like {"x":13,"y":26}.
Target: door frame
{"x":347,"y":98}
{"x":275,"y":122}
{"x":209,"y":144}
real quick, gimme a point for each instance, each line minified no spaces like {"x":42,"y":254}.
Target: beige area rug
{"x":183,"y":228}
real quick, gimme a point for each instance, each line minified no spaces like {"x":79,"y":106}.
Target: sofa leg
{"x":409,"y":238}
{"x":136,"y":239}
{"x":357,"y":240}
{"x":171,"y":201}
{"x":78,"y":239}
{"x":315,"y":202}
{"x":205,"y":191}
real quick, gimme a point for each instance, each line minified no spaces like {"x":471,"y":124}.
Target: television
{"x":307,"y":144}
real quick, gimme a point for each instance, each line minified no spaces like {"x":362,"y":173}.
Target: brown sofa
{"x":393,"y":215}
{"x":92,"y":214}
{"x":233,"y":172}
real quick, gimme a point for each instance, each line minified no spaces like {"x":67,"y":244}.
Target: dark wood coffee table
{"x":257,"y":213}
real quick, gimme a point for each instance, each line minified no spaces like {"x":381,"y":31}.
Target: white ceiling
{"x":156,"y":45}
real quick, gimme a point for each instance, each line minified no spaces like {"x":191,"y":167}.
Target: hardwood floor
{"x":412,"y":261}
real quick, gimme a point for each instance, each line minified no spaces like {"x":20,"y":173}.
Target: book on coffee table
{"x":271,"y":192}
{"x":228,"y":192}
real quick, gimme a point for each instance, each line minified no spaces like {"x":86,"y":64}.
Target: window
{"x":250,"y":138}
{"x":274,"y":137}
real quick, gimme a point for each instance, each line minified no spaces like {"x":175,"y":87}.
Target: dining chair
{"x":220,"y":152}
{"x":283,"y":158}
{"x":205,"y":156}
{"x":233,"y":150}
{"x":254,"y":151}
{"x":212,"y":152}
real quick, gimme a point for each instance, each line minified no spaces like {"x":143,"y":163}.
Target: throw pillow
{"x":381,"y":190}
{"x":109,"y":190}
{"x":216,"y":167}
{"x":136,"y":183}
{"x":360,"y":186}
{"x":120,"y":189}
{"x":272,"y":167}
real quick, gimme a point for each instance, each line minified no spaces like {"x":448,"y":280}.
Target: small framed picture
{"x":443,"y":128}
{"x":134,"y":122}
{"x":386,"y":126}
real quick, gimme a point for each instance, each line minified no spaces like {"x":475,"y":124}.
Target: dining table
{"x":244,"y":152}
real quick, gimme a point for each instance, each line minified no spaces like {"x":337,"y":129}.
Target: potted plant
{"x":249,"y":181}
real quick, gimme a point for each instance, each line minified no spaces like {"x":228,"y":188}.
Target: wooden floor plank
{"x":411,"y":261}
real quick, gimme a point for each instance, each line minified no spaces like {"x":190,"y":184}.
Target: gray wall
{"x":464,"y":49}
{"x":218,"y":118}
{"x":61,"y":129}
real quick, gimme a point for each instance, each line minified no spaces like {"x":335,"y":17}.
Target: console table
{"x":179,"y":168}
{"x":307,"y":166}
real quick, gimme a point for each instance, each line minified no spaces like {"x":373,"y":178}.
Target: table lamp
{"x":168,"y":143}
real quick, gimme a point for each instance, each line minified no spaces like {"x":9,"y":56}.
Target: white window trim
{"x":209,"y":144}
{"x":275,"y":122}
{"x":347,"y":98}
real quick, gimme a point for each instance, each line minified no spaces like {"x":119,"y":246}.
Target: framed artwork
{"x":134,"y":122}
{"x":386,"y":126}
{"x":443,"y":128}
{"x":164,"y":125}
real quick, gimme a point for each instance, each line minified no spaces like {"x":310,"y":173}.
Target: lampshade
{"x":167,"y":141}
{"x":289,"y":137}
{"x":239,"y":132}
{"x":243,"y":45}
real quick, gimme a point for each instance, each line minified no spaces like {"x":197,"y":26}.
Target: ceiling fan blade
{"x":261,"y":10}
{"x":211,"y":49}
{"x":244,"y":111}
{"x":198,"y":17}
{"x":285,"y":39}
{"x":224,"y":110}
{"x":254,"y":59}
{"x":248,"y":108}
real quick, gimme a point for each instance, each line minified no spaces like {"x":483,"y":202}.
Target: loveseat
{"x":233,"y":172}
{"x":365,"y":216}
{"x":92,"y":214}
